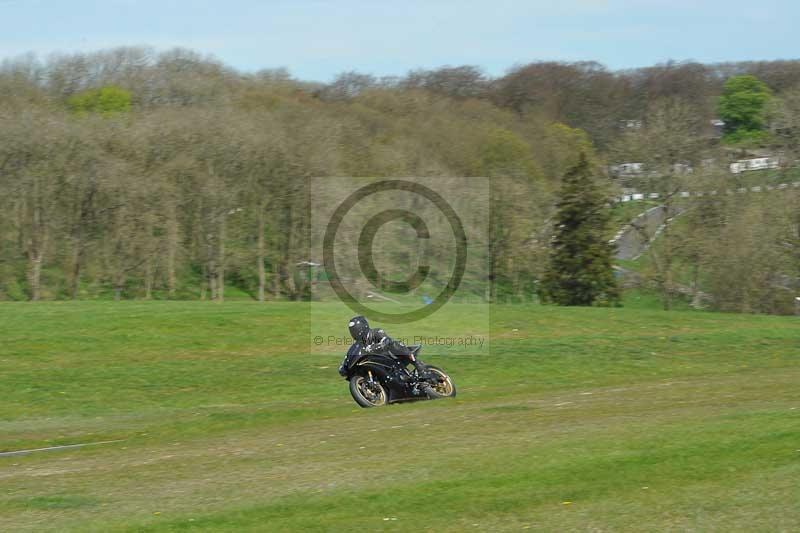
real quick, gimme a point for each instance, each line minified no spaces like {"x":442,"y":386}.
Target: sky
{"x":317,"y":39}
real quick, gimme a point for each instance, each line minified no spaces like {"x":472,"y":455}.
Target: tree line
{"x":133,"y":174}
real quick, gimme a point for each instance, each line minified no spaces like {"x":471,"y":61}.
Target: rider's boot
{"x":422,"y":369}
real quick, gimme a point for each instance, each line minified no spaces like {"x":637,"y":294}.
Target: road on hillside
{"x":635,"y":237}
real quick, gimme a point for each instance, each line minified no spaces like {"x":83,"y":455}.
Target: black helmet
{"x":359,"y":327}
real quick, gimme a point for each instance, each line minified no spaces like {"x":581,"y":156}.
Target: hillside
{"x":134,"y":174}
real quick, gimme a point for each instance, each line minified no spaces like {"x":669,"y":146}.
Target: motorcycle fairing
{"x":356,"y":355}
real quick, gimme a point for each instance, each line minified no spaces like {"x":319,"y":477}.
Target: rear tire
{"x":368,"y":393}
{"x":444,"y":389}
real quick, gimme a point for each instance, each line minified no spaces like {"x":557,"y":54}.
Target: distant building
{"x":756,"y":163}
{"x":633,"y":124}
{"x":682,"y":168}
{"x":627,"y":169}
{"x":718,"y":127}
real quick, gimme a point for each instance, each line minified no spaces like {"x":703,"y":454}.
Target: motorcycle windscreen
{"x":352,"y":355}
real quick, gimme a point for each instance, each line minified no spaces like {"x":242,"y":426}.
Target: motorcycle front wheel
{"x":368,"y":393}
{"x":444,"y":388}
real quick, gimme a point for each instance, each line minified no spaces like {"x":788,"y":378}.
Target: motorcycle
{"x":381,"y":378}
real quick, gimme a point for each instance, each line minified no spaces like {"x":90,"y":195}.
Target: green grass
{"x":574,"y":419}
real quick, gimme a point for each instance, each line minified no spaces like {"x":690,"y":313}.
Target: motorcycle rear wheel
{"x":368,"y":393}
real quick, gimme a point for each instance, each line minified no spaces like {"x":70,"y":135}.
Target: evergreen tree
{"x":579,"y":271}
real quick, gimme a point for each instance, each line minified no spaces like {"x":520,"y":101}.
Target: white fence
{"x":697,"y":194}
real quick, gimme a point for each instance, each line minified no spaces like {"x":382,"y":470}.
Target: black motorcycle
{"x":382,"y":378}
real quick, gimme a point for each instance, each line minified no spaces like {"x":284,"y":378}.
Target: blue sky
{"x":316,"y":39}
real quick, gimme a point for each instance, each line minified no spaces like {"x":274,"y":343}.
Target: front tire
{"x":445,"y":388}
{"x":368,"y":393}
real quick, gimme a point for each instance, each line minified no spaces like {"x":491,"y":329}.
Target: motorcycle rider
{"x":374,"y":340}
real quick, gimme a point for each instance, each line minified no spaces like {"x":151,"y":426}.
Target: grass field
{"x":626,"y":419}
